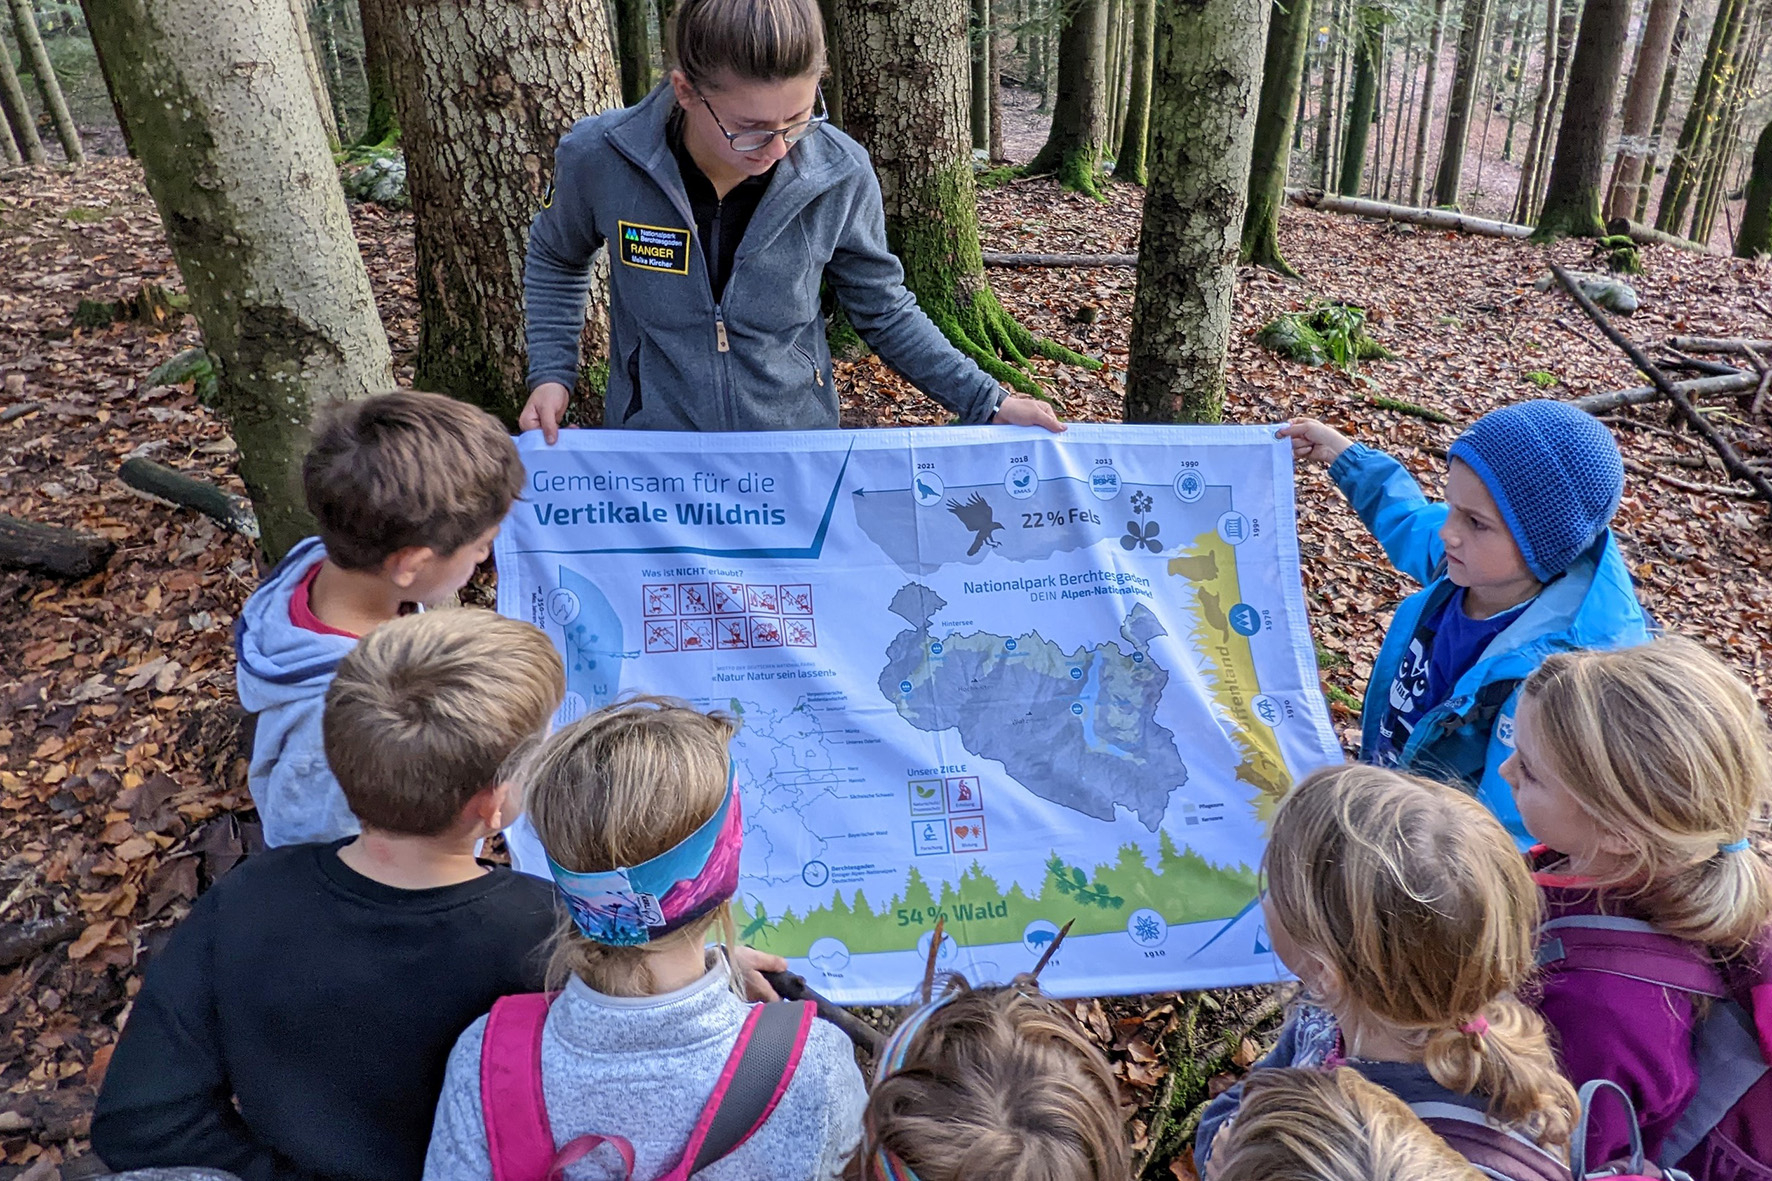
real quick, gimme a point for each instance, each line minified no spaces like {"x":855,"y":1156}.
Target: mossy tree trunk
{"x":1079,"y":113}
{"x":1288,"y":37}
{"x":905,"y":91}
{"x":1755,"y":236}
{"x":382,"y":124}
{"x":9,"y":146}
{"x":1726,"y":139}
{"x":1462,"y":101}
{"x":633,"y":47}
{"x":1702,"y":115}
{"x":1204,"y":96}
{"x":469,"y":73}
{"x":1130,"y":162}
{"x":1572,"y":198}
{"x":18,"y":112}
{"x":30,"y":45}
{"x":1368,"y":51}
{"x":1634,"y":144}
{"x":238,"y":165}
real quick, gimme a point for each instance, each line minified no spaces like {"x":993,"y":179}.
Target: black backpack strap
{"x":756,"y":1076}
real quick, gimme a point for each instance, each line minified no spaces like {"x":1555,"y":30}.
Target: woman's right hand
{"x":544,"y":410}
{"x":1315,"y":440}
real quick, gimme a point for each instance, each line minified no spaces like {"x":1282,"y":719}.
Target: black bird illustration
{"x":977,"y":516}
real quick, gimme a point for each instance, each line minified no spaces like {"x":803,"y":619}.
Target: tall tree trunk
{"x":1386,"y":182}
{"x":1755,"y":237}
{"x":981,"y":71}
{"x":9,"y":146}
{"x":634,"y":49}
{"x":1368,"y":49}
{"x":667,"y":35}
{"x":104,"y":69}
{"x":1558,"y":38}
{"x":382,"y":125}
{"x":1119,"y":27}
{"x":1521,"y":52}
{"x":1205,"y":91}
{"x":1323,"y":157}
{"x":239,"y":167}
{"x":1727,"y":138}
{"x":907,"y":89}
{"x":833,"y":79}
{"x":335,"y":74}
{"x":1079,"y":115}
{"x":468,"y":73}
{"x":298,"y":13}
{"x":1036,"y":56}
{"x":1469,"y":64}
{"x":1129,"y":163}
{"x":1436,"y":36}
{"x":18,"y":112}
{"x":30,"y":45}
{"x":1288,"y":37}
{"x":1634,"y":146}
{"x":1701,"y":117}
{"x":1572,"y":200}
{"x":994,"y":87}
{"x":1669,"y":81}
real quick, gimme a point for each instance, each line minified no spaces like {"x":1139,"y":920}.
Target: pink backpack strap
{"x":518,"y":1136}
{"x":755,"y":1077}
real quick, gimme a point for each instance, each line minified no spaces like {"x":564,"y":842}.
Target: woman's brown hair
{"x":749,"y":40}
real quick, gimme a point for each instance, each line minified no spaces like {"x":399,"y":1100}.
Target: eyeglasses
{"x":756,"y":141}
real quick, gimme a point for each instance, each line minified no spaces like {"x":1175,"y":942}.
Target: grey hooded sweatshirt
{"x":757,"y":360}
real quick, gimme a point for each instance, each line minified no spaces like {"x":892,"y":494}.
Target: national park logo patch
{"x":653,"y":248}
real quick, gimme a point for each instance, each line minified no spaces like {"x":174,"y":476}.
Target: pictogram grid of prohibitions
{"x":717,"y":616}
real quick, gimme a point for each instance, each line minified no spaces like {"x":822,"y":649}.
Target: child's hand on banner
{"x":1314,"y":440}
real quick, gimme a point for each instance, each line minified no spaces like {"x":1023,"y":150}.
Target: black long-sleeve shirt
{"x":298,"y":1024}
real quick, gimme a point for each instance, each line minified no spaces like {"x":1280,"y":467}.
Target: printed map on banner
{"x":997,"y":676}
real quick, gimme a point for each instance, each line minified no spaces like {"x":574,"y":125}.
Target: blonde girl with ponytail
{"x":1646,"y":776}
{"x":1404,"y":907}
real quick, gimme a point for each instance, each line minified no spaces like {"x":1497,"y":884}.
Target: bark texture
{"x":1368,"y":50}
{"x":1461,"y":101}
{"x":980,"y":34}
{"x":906,"y":94}
{"x":1572,"y":198}
{"x":30,"y":44}
{"x":1755,"y":237}
{"x":1203,"y":99}
{"x":1282,"y":75}
{"x":1130,"y":163}
{"x":382,"y":125}
{"x":1640,"y":97}
{"x":484,"y":90}
{"x":1668,"y":82}
{"x":1436,"y":34}
{"x":19,"y":119}
{"x":1079,"y":113}
{"x":298,"y":13}
{"x":1702,"y":117}
{"x":223,"y":121}
{"x":633,"y":49}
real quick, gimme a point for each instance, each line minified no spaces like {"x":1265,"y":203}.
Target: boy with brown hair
{"x":299,"y":1022}
{"x":408,"y":490}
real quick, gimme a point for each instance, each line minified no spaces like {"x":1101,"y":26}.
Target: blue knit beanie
{"x":1555,"y":474}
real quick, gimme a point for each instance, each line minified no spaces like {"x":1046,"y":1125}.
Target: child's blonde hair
{"x":999,"y":1082}
{"x":617,"y":788}
{"x":1416,"y":900}
{"x":1312,"y":1125}
{"x":1665,"y":749}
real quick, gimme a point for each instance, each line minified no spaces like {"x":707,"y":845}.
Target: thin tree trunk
{"x":381,"y":125}
{"x":1205,"y":91}
{"x":1435,"y":38}
{"x":18,"y":112}
{"x":1550,"y":95}
{"x":1755,"y":237}
{"x":298,"y":13}
{"x":907,"y":92}
{"x":1380,"y":109}
{"x":1079,"y":117}
{"x":1394,"y":175}
{"x":980,"y":32}
{"x":1288,"y":38}
{"x":1130,"y":163}
{"x":1469,"y":65}
{"x":1114,"y":75}
{"x":1634,"y":144}
{"x":30,"y":44}
{"x":1368,"y":48}
{"x":634,"y":49}
{"x":1521,"y":51}
{"x":1323,"y":159}
{"x":667,"y":36}
{"x":994,"y":86}
{"x":104,"y":69}
{"x":1036,"y":54}
{"x":1572,"y":199}
{"x":335,"y":75}
{"x":274,"y":274}
{"x":1694,"y":142}
{"x":8,"y":145}
{"x":1727,"y":137}
{"x":468,"y":73}
{"x":1669,"y":80}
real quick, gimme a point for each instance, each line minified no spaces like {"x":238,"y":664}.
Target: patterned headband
{"x":627,"y":907}
{"x":888,"y":1167}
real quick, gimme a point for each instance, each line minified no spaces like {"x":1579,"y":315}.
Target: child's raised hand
{"x":1314,"y":440}
{"x":751,"y":964}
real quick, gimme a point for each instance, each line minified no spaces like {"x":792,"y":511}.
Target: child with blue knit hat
{"x":1517,"y":562}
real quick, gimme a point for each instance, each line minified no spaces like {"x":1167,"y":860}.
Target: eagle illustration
{"x":977,"y":516}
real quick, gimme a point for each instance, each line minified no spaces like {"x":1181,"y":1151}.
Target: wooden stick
{"x":1716,"y":344}
{"x":16,"y":412}
{"x":1643,"y":469}
{"x":1620,"y":227}
{"x":997,"y":259}
{"x":1437,"y":219}
{"x":21,"y":941}
{"x":1637,"y":395}
{"x":1731,"y":460}
{"x":49,"y":549}
{"x":791,"y":986}
{"x":156,"y":479}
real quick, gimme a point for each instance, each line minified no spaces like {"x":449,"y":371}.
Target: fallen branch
{"x":50,"y":549}
{"x":1697,"y":365}
{"x":1643,"y":469}
{"x":1697,"y":387}
{"x":1731,"y":460}
{"x":1398,"y":406}
{"x":1437,"y":219}
{"x":1718,"y":344}
{"x":22,"y":941}
{"x":998,"y":259}
{"x":19,"y":411}
{"x":791,"y":986}
{"x":1650,"y":236}
{"x":158,"y":480}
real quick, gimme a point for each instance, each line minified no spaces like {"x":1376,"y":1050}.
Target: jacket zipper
{"x":817,"y":373}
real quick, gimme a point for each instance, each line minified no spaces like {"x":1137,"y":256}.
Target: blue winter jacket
{"x":1469,"y":735}
{"x":283,"y":672}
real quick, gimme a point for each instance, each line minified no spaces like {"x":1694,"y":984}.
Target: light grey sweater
{"x":643,"y":1067}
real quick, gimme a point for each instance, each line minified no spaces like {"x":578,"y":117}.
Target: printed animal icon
{"x":1041,"y":938}
{"x":925,"y":490}
{"x":976,"y":514}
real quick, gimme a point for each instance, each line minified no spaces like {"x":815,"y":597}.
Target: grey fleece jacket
{"x":642,"y":1067}
{"x":757,"y":360}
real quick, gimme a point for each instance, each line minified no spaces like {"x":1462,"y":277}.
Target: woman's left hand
{"x":1021,"y":410}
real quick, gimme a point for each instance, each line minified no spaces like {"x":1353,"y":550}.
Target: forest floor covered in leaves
{"x":122,"y":771}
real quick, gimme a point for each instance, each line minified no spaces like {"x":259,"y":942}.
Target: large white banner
{"x":988,"y":674}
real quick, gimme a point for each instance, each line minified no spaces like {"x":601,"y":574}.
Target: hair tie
{"x":1740,"y":846}
{"x":1476,"y":1026}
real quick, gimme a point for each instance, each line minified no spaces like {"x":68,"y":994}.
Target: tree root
{"x":1000,"y":346}
{"x":1184,"y":1096}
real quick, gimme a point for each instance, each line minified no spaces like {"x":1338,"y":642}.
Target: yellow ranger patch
{"x":653,"y":248}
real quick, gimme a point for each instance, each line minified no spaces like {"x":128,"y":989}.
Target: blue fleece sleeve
{"x":869,"y":283}
{"x":1394,"y":508}
{"x":557,"y":269}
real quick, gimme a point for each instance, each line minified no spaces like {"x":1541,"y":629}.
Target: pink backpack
{"x":521,"y":1141}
